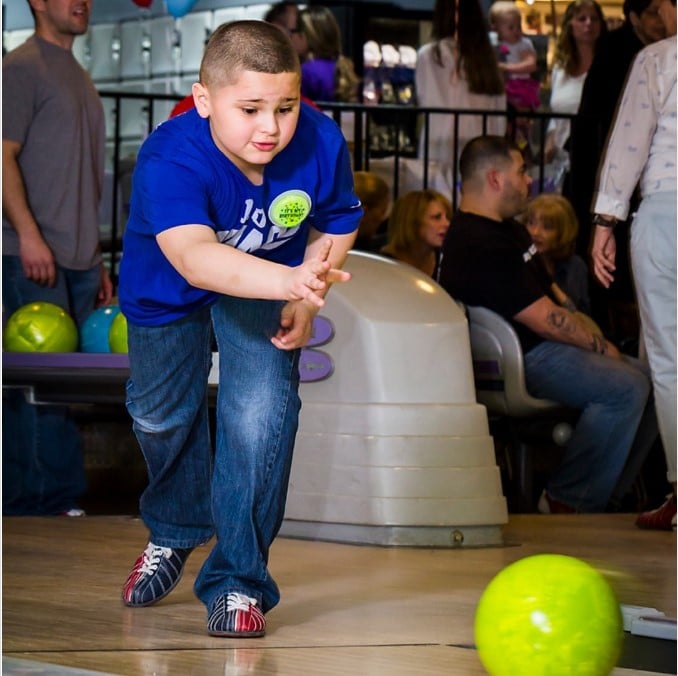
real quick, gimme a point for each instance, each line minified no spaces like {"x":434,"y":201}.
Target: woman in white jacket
{"x":458,"y":69}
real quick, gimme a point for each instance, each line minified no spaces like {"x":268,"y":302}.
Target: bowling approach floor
{"x":345,"y":609}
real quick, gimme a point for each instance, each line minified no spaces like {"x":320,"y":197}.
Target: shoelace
{"x":152,"y":555}
{"x":235,"y":601}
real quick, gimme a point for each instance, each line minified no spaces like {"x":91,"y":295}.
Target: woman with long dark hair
{"x":459,"y":69}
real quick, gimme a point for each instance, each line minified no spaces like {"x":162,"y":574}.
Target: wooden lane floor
{"x":345,"y":609}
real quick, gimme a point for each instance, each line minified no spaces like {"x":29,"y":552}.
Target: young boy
{"x":241,"y":204}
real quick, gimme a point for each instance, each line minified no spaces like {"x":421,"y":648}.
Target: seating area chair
{"x":524,"y":421}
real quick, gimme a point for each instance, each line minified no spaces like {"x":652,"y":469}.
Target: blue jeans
{"x":611,"y":395}
{"x":238,"y":494}
{"x":42,"y":467}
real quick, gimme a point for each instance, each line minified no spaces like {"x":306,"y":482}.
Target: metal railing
{"x":404,"y":122}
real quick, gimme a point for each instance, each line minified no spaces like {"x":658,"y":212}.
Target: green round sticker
{"x":290,"y":208}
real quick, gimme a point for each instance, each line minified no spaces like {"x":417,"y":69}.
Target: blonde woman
{"x":582,"y":26}
{"x":553,"y":227}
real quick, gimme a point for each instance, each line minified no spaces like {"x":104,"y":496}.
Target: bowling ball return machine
{"x":392,"y":447}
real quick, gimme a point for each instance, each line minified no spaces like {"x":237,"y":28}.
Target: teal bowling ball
{"x":117,"y":336}
{"x":548,"y":615}
{"x":95,"y":329}
{"x":40,"y":327}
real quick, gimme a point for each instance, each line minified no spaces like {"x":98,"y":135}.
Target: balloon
{"x":145,"y":4}
{"x":178,"y":8}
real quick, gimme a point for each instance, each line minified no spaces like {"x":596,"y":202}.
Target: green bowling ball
{"x":40,"y":327}
{"x":117,"y":335}
{"x":548,"y":615}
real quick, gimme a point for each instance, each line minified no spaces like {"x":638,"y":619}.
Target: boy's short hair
{"x":503,"y":8}
{"x":246,"y":45}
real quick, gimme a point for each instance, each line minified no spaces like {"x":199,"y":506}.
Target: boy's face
{"x":253,"y":118}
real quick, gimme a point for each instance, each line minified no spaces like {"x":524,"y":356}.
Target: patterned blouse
{"x":643,"y":141}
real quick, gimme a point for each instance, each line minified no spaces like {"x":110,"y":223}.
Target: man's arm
{"x":604,"y":254}
{"x":36,"y":256}
{"x":558,"y":324}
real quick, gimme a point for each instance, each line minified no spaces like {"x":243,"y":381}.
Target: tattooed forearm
{"x":562,"y":298}
{"x":568,"y":304}
{"x":560,"y":320}
{"x":566,"y":326}
{"x":598,"y":344}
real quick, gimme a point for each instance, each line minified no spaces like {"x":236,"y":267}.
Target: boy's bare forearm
{"x":341,"y":245}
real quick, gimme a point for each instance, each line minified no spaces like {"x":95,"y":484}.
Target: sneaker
{"x":662,"y":518}
{"x":154,"y":574}
{"x":237,"y":616}
{"x":548,"y":505}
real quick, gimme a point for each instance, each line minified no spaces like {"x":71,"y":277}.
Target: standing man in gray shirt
{"x":52,"y":176}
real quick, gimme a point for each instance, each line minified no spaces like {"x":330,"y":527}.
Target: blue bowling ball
{"x":94,"y":332}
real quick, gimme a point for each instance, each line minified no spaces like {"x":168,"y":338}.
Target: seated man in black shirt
{"x":489,"y":260}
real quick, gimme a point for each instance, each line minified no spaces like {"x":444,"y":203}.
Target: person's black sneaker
{"x":154,"y":574}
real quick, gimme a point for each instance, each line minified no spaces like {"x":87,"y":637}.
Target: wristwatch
{"x":604,"y":221}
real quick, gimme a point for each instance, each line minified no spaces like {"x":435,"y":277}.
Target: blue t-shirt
{"x":181,"y":178}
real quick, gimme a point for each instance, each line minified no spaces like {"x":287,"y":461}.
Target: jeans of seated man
{"x":611,"y":395}
{"x":42,"y":463}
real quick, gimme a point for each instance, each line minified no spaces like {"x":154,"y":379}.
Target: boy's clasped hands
{"x":308,"y":283}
